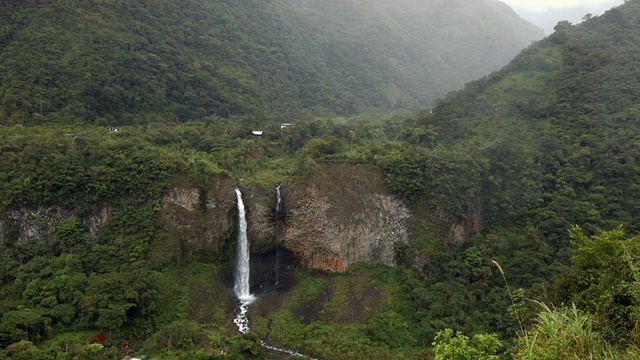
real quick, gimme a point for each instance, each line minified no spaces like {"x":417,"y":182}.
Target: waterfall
{"x":241,"y":276}
{"x":241,"y":286}
{"x":278,"y":202}
{"x":278,"y":211}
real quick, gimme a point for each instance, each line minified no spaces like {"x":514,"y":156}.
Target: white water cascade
{"x":278,"y":201}
{"x":241,"y":286}
{"x":278,"y":212}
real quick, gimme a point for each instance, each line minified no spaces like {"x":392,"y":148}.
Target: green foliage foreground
{"x":567,"y":333}
{"x":602,"y":287}
{"x":448,"y":346}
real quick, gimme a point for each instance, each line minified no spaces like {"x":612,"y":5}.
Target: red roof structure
{"x":98,"y":339}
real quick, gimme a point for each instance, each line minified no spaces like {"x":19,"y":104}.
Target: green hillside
{"x":121,"y":62}
{"x":546,"y":152}
{"x":563,"y":117}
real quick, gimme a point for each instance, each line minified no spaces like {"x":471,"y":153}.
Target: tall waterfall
{"x":241,"y":286}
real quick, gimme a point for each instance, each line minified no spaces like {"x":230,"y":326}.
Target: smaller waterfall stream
{"x":241,"y":286}
{"x":278,"y":201}
{"x":278,"y":212}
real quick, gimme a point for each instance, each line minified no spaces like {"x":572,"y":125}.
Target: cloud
{"x":546,"y":14}
{"x":544,"y":5}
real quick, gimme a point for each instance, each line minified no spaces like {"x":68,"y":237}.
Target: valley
{"x":388,"y":215}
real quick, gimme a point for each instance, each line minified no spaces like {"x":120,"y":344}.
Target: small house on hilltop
{"x":99,"y":339}
{"x":257,"y":133}
{"x":285,"y":125}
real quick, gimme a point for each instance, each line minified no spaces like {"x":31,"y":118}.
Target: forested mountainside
{"x":562,"y":121}
{"x":513,"y":220}
{"x":547,"y":151}
{"x":128,"y":62}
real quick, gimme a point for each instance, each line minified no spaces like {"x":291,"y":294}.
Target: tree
{"x":70,"y":233}
{"x":562,"y":25}
{"x":605,"y":281}
{"x":25,"y":350}
{"x":448,"y":346}
{"x":22,"y":324}
{"x":107,"y":299}
{"x":245,"y":346}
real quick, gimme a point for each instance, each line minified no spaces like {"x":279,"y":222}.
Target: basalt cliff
{"x":342,"y":218}
{"x":339,"y":216}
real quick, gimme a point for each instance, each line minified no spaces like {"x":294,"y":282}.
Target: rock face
{"x":194,"y":228}
{"x":261,"y":223}
{"x":35,"y":223}
{"x":343,"y":217}
{"x":464,"y":229}
{"x":337,"y":218}
{"x":39,"y":223}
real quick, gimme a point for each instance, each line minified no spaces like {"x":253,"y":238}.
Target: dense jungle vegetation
{"x":135,"y":62}
{"x":543,"y":155}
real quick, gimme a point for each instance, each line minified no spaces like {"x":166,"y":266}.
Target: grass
{"x":311,"y":287}
{"x":198,"y":293}
{"x":338,"y":316}
{"x":515,"y":311}
{"x":69,"y":338}
{"x":566,"y":333}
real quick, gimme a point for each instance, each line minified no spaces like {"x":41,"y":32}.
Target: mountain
{"x":122,"y":62}
{"x":559,"y":127}
{"x":546,"y":152}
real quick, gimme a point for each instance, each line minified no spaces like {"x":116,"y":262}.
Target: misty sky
{"x":547,"y":13}
{"x":543,"y":5}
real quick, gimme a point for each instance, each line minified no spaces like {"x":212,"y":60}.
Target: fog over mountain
{"x":548,"y":19}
